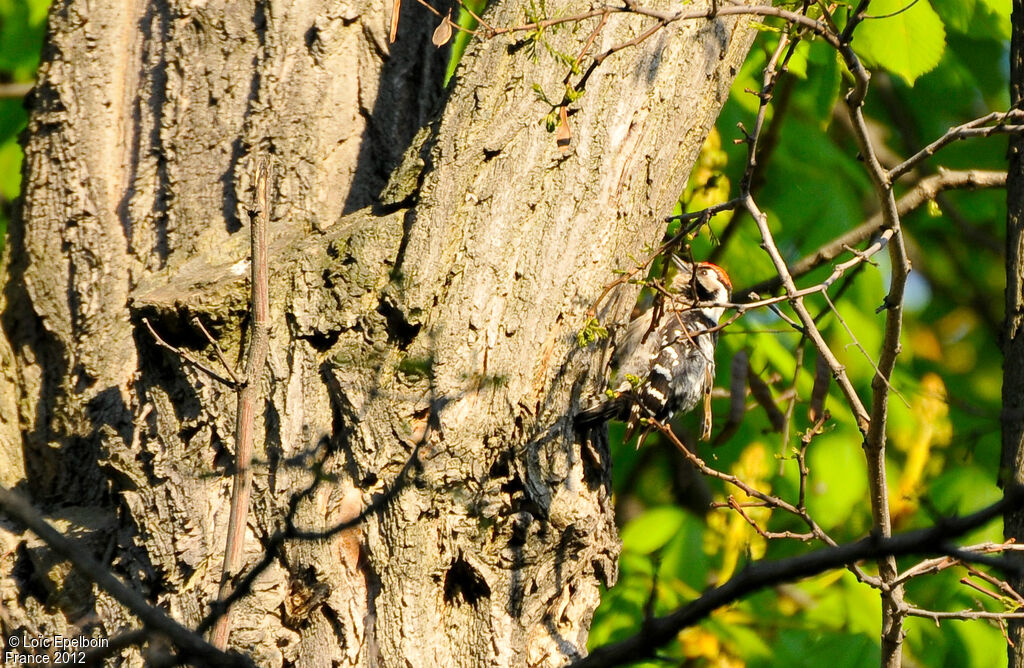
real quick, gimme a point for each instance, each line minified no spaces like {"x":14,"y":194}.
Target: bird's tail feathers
{"x":616,"y":408}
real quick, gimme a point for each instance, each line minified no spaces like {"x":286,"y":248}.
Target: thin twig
{"x":10,"y":91}
{"x":978,"y":588}
{"x":769,"y":499}
{"x":860,"y":413}
{"x":453,"y":24}
{"x":230,"y":382}
{"x":787,"y":424}
{"x":930,"y":566}
{"x":248,"y":397}
{"x":1002,"y":585}
{"x":857,"y":343}
{"x":476,"y":17}
{"x":216,"y":348}
{"x":973,"y":128}
{"x":937,"y":616}
{"x":768,"y":535}
{"x":875,"y":439}
{"x":925,"y":190}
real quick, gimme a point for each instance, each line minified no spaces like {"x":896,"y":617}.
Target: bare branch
{"x":1002,"y":585}
{"x":230,"y":382}
{"x":838,"y":371}
{"x":975,"y":128}
{"x":768,"y":535}
{"x":768,"y":499}
{"x":962,"y":614}
{"x":875,"y":438}
{"x":930,"y":566}
{"x":667,"y":17}
{"x":769,"y":573}
{"x":14,"y":90}
{"x":216,"y":347}
{"x":926,"y":189}
{"x":978,"y":588}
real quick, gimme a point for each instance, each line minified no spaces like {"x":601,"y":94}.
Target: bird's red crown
{"x":724,"y":277}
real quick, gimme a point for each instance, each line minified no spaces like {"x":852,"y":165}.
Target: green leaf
{"x":592,"y":331}
{"x":1000,"y":9}
{"x":963,"y":490}
{"x":683,"y":558}
{"x":798,"y":648}
{"x":37,"y":10}
{"x":956,"y":14}
{"x":21,"y":34}
{"x":744,"y":641}
{"x":838,"y":483}
{"x":906,"y":40}
{"x":10,"y":169}
{"x":984,"y":643}
{"x":653,"y":529}
{"x":824,"y":82}
{"x":981,"y":19}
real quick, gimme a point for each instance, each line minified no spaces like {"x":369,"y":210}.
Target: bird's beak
{"x":684,"y":267}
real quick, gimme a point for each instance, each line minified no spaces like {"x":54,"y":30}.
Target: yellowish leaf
{"x":931,"y":429}
{"x":443,"y":32}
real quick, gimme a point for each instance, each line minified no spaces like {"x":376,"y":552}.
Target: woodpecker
{"x":666,"y":360}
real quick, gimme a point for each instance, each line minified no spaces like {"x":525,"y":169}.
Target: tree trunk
{"x":435,"y":323}
{"x":1013,"y":328}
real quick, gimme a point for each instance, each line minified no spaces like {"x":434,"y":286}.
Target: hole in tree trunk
{"x":464,"y":584}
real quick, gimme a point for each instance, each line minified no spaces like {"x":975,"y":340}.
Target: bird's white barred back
{"x":674,"y":358}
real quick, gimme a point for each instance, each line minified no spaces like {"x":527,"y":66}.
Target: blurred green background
{"x":22,"y":26}
{"x":937,"y":64}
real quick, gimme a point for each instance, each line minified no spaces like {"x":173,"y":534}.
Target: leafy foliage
{"x":933,"y":69}
{"x":907,"y":39}
{"x":22,"y":23}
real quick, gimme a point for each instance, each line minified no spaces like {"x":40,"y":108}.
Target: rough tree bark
{"x":443,"y":311}
{"x":1012,"y":417}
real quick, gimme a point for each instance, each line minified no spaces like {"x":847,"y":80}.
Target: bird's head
{"x":713,"y":284}
{"x":705,"y":281}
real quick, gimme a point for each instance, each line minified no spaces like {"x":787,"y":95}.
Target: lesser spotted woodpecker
{"x":665,"y":361}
